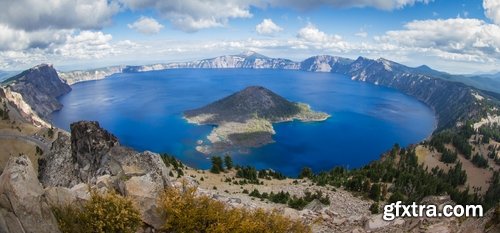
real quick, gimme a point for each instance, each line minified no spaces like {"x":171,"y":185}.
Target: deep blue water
{"x":144,"y":110}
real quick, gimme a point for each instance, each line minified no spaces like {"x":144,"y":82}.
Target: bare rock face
{"x":90,"y":145}
{"x":57,"y":167}
{"x":23,"y":207}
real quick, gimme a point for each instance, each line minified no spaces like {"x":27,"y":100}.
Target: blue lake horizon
{"x":144,"y":110}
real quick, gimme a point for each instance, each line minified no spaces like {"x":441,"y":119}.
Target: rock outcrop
{"x":94,"y":158}
{"x":23,"y":207}
{"x":58,"y":167}
{"x":39,"y":87}
{"x":90,"y":147}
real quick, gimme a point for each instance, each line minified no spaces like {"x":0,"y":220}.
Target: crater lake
{"x":144,"y":110}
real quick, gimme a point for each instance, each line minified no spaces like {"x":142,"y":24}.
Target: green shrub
{"x":374,"y":208}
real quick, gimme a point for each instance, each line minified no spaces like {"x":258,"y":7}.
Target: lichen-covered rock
{"x":90,"y":145}
{"x":23,"y":207}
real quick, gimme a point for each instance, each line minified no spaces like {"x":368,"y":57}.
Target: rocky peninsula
{"x":244,"y":119}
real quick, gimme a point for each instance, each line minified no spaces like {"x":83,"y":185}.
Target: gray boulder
{"x":23,"y":207}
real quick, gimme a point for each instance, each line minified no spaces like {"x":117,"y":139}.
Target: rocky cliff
{"x":93,"y":157}
{"x":326,"y":63}
{"x":39,"y":87}
{"x":246,"y":60}
{"x":25,"y":204}
{"x":452,"y":102}
{"x":77,"y":76}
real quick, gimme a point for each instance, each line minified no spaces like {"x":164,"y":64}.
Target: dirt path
{"x":29,"y":139}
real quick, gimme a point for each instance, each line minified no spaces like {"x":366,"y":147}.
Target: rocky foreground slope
{"x":92,"y":159}
{"x":244,"y":119}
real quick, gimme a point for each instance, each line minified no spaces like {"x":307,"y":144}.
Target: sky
{"x":456,"y":36}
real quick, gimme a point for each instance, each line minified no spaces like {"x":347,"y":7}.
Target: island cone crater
{"x":244,"y":119}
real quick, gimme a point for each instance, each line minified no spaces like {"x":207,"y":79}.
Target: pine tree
{"x":216,"y":165}
{"x":228,"y":161}
{"x":375,"y":192}
{"x":306,"y":172}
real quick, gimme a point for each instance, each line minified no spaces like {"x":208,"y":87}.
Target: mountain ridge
{"x":453,"y":102}
{"x":254,"y":60}
{"x":39,"y":87}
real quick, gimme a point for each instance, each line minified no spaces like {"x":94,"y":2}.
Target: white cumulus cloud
{"x":312,"y":34}
{"x":454,"y":39}
{"x":11,"y":39}
{"x":312,"y":39}
{"x":492,"y":10}
{"x":85,"y":45}
{"x":33,"y":15}
{"x":146,"y":25}
{"x":267,"y":27}
{"x":379,"y":4}
{"x":193,"y":15}
{"x":55,"y":46}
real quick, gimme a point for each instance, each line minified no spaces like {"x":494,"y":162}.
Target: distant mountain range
{"x":454,"y":98}
{"x":253,"y":60}
{"x":248,"y":60}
